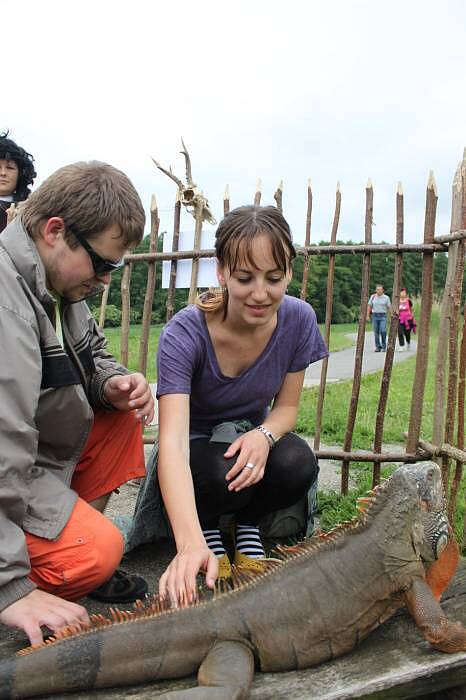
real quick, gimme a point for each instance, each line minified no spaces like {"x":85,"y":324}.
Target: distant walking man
{"x":377,"y":310}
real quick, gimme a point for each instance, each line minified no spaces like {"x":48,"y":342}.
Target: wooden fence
{"x":450,"y":360}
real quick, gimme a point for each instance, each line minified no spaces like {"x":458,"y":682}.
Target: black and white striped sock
{"x":214,"y":541}
{"x":248,"y":541}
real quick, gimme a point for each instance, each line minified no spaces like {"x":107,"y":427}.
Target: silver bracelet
{"x":269,"y":436}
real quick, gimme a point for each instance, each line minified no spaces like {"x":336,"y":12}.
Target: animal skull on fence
{"x":190,"y":195}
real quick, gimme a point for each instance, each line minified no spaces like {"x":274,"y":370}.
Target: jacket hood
{"x":22,"y":250}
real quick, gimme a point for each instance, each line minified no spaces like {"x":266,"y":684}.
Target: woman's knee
{"x":292,"y":463}
{"x":209,"y":467}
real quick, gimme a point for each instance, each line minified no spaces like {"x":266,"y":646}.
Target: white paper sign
{"x":207,"y":266}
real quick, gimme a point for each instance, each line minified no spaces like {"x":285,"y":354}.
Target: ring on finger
{"x":249,"y":465}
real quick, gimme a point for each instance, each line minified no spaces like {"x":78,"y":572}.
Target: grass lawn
{"x":339,"y":339}
{"x":337,"y":399}
{"x":113,"y":336}
{"x":333,"y":507}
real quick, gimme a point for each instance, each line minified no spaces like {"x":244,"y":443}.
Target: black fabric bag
{"x":296,"y":521}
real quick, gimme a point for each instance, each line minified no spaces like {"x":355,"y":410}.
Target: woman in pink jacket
{"x":406,"y":321}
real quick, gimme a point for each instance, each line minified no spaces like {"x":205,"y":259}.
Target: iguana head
{"x":431,"y":529}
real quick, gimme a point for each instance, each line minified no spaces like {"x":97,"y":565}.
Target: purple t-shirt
{"x":187,"y":364}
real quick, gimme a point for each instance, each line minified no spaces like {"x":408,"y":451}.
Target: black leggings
{"x":290,"y":471}
{"x":403,"y":333}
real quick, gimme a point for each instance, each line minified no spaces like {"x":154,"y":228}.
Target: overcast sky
{"x":327,"y":90}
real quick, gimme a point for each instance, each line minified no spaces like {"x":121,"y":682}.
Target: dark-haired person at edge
{"x":16,"y":175}
{"x":406,"y":322}
{"x":234,"y":363}
{"x":70,"y":415}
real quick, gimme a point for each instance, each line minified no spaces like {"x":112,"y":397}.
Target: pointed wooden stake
{"x":258,"y":194}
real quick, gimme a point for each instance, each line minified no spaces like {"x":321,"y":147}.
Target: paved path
{"x":341,"y":363}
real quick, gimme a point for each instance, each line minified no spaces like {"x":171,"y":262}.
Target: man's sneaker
{"x":120,"y":588}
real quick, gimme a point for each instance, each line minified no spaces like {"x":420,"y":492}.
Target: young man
{"x":70,"y":415}
{"x":377,"y":309}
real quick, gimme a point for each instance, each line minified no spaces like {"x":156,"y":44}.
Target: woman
{"x":406,"y":322}
{"x":221,"y":364}
{"x":16,"y":175}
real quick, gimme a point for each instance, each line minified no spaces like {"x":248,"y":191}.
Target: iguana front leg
{"x":441,"y":571}
{"x":425,"y":609}
{"x":225,"y":674}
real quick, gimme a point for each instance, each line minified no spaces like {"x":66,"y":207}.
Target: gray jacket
{"x":47,"y":397}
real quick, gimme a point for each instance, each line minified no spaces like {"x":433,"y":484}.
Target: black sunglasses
{"x":100,"y":265}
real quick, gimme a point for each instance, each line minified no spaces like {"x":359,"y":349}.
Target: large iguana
{"x":318,"y":603}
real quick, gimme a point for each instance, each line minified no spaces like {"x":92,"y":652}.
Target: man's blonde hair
{"x":89,"y":197}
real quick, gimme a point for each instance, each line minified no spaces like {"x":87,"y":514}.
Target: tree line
{"x":347,"y":284}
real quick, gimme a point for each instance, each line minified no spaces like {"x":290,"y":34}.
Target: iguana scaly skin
{"x":325,"y":597}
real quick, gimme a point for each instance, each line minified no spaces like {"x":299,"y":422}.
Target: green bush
{"x":112,"y":315}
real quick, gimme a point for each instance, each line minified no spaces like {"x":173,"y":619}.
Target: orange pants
{"x":90,"y":547}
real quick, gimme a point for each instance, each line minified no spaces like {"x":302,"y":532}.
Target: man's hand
{"x":128,"y":392}
{"x":40,"y":608}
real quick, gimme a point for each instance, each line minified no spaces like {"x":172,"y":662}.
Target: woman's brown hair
{"x":233,"y":244}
